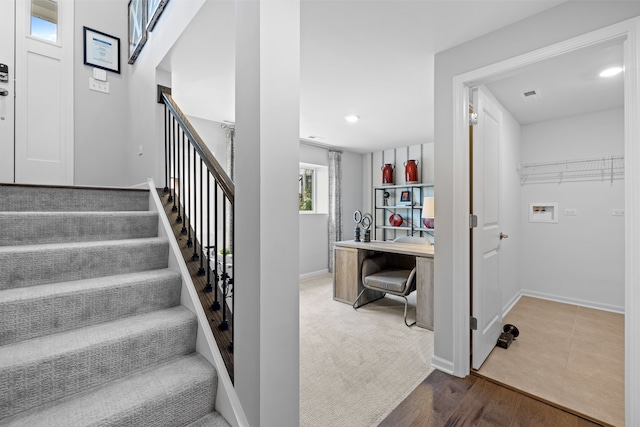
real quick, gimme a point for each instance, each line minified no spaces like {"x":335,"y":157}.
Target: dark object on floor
{"x":509,"y":333}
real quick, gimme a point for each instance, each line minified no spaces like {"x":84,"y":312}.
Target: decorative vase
{"x":411,"y":171}
{"x":387,"y":174}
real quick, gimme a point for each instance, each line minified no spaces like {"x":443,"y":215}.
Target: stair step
{"x":33,"y":265}
{"x":37,"y":311}
{"x":212,"y":419}
{"x":29,"y":198}
{"x":174,"y":394}
{"x":49,"y":368}
{"x":31,"y":228}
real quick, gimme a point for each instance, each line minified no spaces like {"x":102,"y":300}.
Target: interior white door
{"x":7,"y":106}
{"x":44,"y":94}
{"x":486,"y":297}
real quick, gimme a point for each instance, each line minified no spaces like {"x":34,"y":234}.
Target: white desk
{"x":347,"y":277}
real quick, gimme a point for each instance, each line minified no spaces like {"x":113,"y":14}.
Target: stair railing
{"x":202,"y":195}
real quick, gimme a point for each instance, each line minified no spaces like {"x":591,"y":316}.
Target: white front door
{"x":6,"y":90}
{"x":44,"y":91}
{"x":486,"y":297}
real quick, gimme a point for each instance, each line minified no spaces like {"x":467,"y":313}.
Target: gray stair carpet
{"x":29,"y":228}
{"x":91,"y":327}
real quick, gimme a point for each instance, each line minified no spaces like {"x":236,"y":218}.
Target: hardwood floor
{"x":444,"y":400}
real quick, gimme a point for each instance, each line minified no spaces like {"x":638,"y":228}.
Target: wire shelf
{"x":606,"y":168}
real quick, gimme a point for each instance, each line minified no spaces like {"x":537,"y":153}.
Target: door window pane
{"x":44,"y":20}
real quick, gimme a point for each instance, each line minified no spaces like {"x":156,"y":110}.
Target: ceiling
{"x":566,"y":85}
{"x":374,"y":59}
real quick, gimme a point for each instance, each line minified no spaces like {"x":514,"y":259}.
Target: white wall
{"x":314,"y":228}
{"x":100,"y":120}
{"x":353,"y":191}
{"x":214,"y":137}
{"x":541,"y":30}
{"x":581,"y":258}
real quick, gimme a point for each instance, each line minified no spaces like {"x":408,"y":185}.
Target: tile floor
{"x":569,"y":355}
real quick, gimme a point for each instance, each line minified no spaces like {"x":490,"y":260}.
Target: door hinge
{"x":473,"y":119}
{"x":473,"y":221}
{"x":473,"y":323}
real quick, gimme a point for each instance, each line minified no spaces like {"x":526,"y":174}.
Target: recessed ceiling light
{"x":611,"y":71}
{"x":352,"y":119}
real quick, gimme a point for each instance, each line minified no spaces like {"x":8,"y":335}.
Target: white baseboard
{"x":314,"y":274}
{"x":442,"y":365}
{"x":507,"y":308}
{"x":574,"y":301}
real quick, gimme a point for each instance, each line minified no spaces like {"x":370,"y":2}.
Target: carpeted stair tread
{"x":36,"y":311}
{"x":45,"y":369}
{"x":60,"y":262}
{"x":174,"y":394}
{"x":30,"y":228}
{"x":212,"y":419}
{"x":27,"y":198}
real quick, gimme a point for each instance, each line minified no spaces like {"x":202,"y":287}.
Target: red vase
{"x":411,"y":172}
{"x":387,"y":174}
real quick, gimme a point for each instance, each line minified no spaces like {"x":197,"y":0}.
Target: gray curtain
{"x":335,"y":202}
{"x":230,"y":132}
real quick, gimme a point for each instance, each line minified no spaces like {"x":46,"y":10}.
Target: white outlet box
{"x":617,"y":212}
{"x":570,"y":212}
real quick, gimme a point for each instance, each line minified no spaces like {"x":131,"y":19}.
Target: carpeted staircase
{"x":91,"y":327}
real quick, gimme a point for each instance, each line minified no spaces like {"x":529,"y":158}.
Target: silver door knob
{"x":4,"y":92}
{"x":503,"y":236}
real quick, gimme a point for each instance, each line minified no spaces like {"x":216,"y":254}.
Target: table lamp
{"x":428,"y":212}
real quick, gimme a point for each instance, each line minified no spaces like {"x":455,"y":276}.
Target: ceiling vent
{"x":530,"y":95}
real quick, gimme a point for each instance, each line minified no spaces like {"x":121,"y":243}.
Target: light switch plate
{"x":617,"y":212}
{"x":100,"y":74}
{"x":571,"y":212}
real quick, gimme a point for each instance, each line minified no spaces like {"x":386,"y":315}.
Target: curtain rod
{"x":320,"y":145}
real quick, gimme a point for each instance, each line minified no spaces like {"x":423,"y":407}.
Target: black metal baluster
{"x":166,"y":150}
{"x":187,"y":191}
{"x":208,"y":287}
{"x":216,"y":302}
{"x":224,"y":325}
{"x":195,"y":256}
{"x":201,"y":269}
{"x":180,"y":179}
{"x":232,"y":280}
{"x":185,"y":185}
{"x":172,"y":198}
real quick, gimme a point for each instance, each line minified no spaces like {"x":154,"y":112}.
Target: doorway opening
{"x":622,"y":34}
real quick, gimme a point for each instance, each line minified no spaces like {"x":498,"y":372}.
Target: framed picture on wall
{"x":137,"y":28}
{"x":154,"y":10}
{"x":101,"y":50}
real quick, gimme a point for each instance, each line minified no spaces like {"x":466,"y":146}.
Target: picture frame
{"x":153,"y":10}
{"x":137,"y":28}
{"x":101,"y":50}
{"x":405,"y":197}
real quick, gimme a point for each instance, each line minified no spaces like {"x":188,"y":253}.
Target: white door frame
{"x":629,"y":31}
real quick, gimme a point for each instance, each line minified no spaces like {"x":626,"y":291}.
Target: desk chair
{"x":391,"y":274}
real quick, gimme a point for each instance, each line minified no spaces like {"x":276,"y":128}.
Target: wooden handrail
{"x":227,"y":186}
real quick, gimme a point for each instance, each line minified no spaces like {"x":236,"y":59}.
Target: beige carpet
{"x":356,"y":366}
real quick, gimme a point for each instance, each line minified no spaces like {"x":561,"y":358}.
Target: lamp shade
{"x":428,"y":210}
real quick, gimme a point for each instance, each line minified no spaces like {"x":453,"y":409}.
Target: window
{"x":313,"y":189}
{"x":44,"y":20}
{"x":306,"y":189}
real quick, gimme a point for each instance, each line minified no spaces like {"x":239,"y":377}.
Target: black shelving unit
{"x":410,"y":210}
